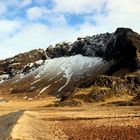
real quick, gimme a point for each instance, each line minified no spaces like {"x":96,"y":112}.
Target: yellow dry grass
{"x":86,"y":122}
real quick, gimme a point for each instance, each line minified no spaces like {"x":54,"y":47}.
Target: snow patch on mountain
{"x":44,"y":89}
{"x":68,"y":65}
{"x":62,"y":71}
{"x":4,"y":77}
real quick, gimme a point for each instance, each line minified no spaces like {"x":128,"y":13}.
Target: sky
{"x":30,"y":24}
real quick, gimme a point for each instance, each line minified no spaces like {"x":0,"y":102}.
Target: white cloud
{"x":124,"y":13}
{"x":15,"y":3}
{"x":40,"y":1}
{"x":29,"y":37}
{"x":8,"y":27}
{"x":35,"y":13}
{"x":119,"y":13}
{"x":57,"y":20}
{"x":3,"y":8}
{"x":78,"y":6}
{"x":37,"y":36}
{"x":24,"y":3}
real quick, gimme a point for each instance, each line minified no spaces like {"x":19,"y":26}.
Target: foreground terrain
{"x":33,"y":120}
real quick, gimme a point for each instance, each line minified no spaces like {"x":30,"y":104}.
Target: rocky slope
{"x":70,"y":65}
{"x":14,"y":65}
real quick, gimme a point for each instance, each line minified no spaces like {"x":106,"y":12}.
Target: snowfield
{"x":73,"y":65}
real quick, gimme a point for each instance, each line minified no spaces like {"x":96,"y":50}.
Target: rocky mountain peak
{"x":123,"y":30}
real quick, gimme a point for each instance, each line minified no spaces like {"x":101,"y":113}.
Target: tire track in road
{"x":7,"y":123}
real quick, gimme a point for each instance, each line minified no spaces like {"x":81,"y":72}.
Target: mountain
{"x":61,"y":69}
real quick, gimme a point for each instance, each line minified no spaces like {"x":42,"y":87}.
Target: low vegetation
{"x":70,"y":103}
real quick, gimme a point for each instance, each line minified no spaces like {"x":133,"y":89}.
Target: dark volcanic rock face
{"x":129,"y":83}
{"x":120,"y":46}
{"x":121,"y":49}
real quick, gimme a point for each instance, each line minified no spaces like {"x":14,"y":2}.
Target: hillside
{"x":61,"y":69}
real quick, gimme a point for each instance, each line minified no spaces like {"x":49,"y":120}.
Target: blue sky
{"x":30,"y":24}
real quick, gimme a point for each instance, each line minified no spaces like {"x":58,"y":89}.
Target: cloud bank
{"x":30,"y":24}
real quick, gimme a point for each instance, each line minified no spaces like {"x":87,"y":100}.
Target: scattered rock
{"x":30,"y":99}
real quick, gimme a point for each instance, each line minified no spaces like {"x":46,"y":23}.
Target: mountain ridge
{"x":117,"y":51}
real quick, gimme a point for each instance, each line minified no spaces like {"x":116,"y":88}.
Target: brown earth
{"x":33,"y":120}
